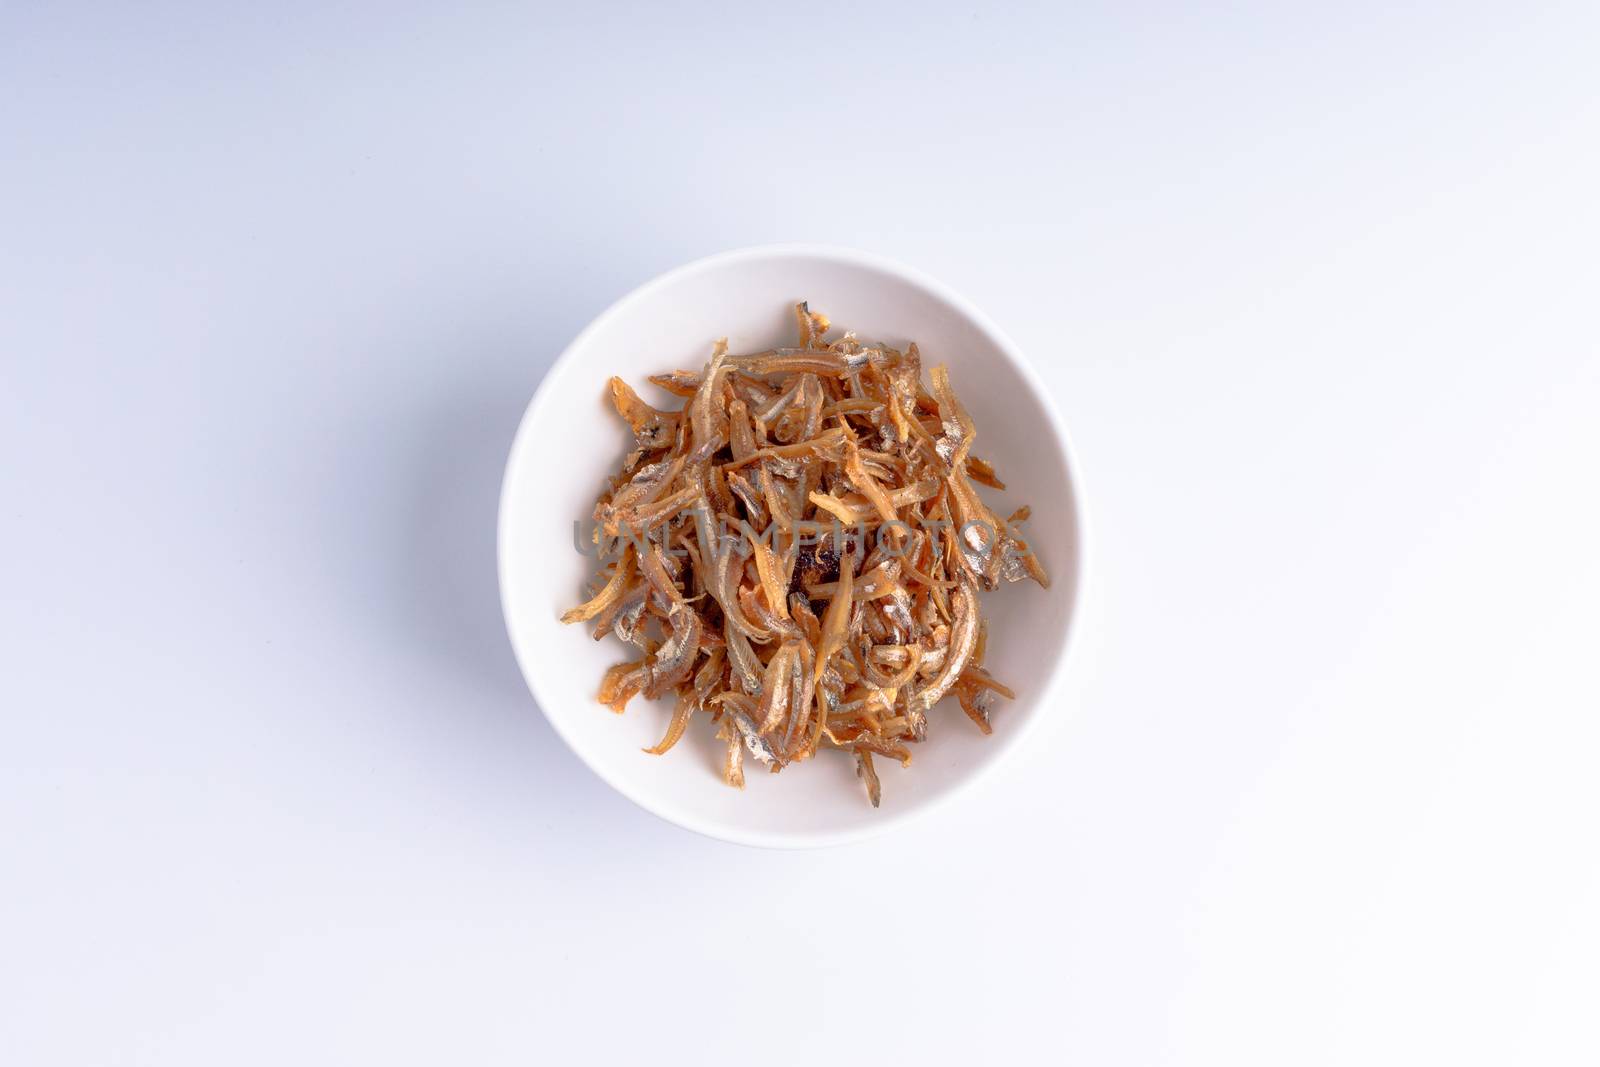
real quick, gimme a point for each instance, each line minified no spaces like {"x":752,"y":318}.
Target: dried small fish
{"x":607,"y":596}
{"x":680,"y":722}
{"x":758,"y":746}
{"x":678,"y":383}
{"x":833,"y":632}
{"x":869,"y":776}
{"x":963,"y":639}
{"x":775,"y":688}
{"x":822,"y":478}
{"x":674,"y":661}
{"x":621,"y":683}
{"x":983,"y":473}
{"x":733,"y":763}
{"x":651,"y":428}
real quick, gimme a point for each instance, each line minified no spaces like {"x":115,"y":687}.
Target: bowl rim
{"x":1006,"y":744}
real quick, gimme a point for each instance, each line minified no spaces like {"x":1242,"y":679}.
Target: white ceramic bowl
{"x":570,"y":439}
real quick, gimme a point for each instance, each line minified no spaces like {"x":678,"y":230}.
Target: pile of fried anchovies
{"x":797,"y":553}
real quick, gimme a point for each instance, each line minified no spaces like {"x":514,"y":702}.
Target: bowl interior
{"x":571,"y":440}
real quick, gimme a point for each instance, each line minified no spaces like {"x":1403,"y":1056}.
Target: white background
{"x":1315,"y":289}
